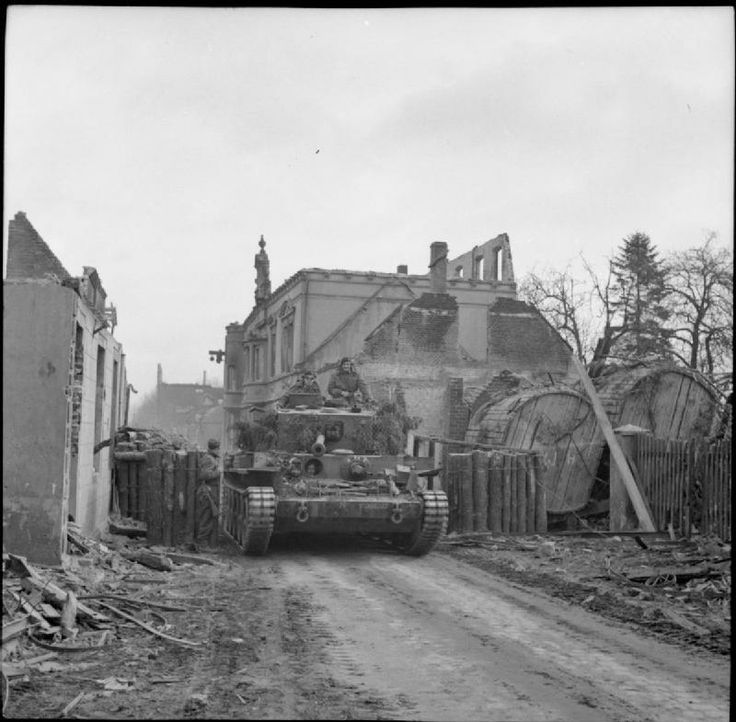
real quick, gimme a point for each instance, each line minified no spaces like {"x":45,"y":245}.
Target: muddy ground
{"x":245,"y":644}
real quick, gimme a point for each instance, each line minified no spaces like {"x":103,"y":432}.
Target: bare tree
{"x":700,"y":298}
{"x":562,"y":300}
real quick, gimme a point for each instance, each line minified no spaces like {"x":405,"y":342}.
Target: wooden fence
{"x":687,"y":484}
{"x":497,"y":491}
{"x":158,"y":487}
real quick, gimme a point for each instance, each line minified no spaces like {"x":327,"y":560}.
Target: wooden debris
{"x":135,"y":602}
{"x":159,"y":562}
{"x":684,"y":622}
{"x":14,"y":628}
{"x":129,"y":617}
{"x":57,"y":596}
{"x":677,"y":573}
{"x":124,"y":530}
{"x":72,"y":704}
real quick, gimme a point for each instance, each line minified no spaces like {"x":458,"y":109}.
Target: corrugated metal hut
{"x":672,"y":402}
{"x":555,"y":420}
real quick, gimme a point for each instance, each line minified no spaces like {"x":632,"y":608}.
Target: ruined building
{"x":421,"y":335}
{"x":64,"y":392}
{"x":193,"y":411}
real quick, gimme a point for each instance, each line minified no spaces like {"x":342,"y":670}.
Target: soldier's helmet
{"x":213,"y":444}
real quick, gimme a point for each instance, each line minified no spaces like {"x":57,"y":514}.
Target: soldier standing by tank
{"x":346,"y":386}
{"x":208,"y":495}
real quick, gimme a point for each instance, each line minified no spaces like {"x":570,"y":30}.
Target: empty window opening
{"x":478,"y":267}
{"x":99,"y":401}
{"x":498,"y":264}
{"x":459,"y":271}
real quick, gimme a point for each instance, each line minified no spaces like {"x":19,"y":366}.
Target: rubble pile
{"x":129,"y":439}
{"x":61,"y":618}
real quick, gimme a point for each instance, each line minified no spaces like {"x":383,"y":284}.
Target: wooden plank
{"x":641,"y":508}
{"x":495,"y":491}
{"x":136,"y":496}
{"x":513,"y":496}
{"x":192,"y":467}
{"x":154,"y":496}
{"x":122,"y":486}
{"x":531,"y":496}
{"x":167,"y":500}
{"x":466,"y":492}
{"x":540,"y":500}
{"x":179,"y":517}
{"x":521,"y":492}
{"x":480,"y":491}
{"x":506,"y":508}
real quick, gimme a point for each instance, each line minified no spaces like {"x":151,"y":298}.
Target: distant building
{"x":408,"y":333}
{"x":64,"y":392}
{"x":193,"y":411}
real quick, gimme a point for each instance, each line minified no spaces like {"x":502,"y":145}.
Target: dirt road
{"x":365,"y":633}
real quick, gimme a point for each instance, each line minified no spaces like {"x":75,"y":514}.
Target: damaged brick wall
{"x":28,"y":254}
{"x":521,"y":340}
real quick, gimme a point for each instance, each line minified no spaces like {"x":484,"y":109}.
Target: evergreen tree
{"x":640,"y":295}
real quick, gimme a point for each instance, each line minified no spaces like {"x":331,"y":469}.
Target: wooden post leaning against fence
{"x":618,"y":458}
{"x":154,"y":497}
{"x":495,"y":491}
{"x":480,"y":491}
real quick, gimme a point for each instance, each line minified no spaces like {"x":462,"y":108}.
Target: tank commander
{"x":345,"y":386}
{"x":305,"y":384}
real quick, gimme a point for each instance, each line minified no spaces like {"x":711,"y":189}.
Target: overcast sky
{"x":158,"y":144}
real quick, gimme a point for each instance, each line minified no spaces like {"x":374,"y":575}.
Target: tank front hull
{"x":323,"y":515}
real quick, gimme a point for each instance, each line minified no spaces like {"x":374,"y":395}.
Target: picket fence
{"x":687,"y":484}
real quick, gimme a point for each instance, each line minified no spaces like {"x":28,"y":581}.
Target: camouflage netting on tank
{"x":386,"y":433}
{"x":257,"y":435}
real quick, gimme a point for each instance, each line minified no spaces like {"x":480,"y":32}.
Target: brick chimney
{"x":438,"y":267}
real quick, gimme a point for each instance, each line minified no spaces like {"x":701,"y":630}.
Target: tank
{"x":321,"y":475}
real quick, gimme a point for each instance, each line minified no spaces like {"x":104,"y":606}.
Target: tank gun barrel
{"x":318,"y":447}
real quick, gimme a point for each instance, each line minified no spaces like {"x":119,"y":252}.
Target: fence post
{"x":167,"y":491}
{"x":480,"y":491}
{"x":521,"y":492}
{"x":531,"y":496}
{"x":154,"y":497}
{"x":506,"y":508}
{"x":179,"y":518}
{"x":622,"y":516}
{"x":540,"y":501}
{"x":137,"y":474}
{"x":495,"y":491}
{"x":122,"y":485}
{"x":191,"y":488}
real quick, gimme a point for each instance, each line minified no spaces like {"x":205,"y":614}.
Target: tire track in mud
{"x":460,"y":644}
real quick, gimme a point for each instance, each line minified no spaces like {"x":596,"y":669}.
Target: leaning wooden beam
{"x":617,"y":455}
{"x":131,"y":618}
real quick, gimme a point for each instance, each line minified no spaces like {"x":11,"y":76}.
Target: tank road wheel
{"x":260,"y":512}
{"x":433,"y":525}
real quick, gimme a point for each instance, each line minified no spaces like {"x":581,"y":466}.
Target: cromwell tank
{"x":321,"y":475}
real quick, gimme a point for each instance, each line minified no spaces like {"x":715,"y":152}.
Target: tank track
{"x":435,"y":514}
{"x":260,"y":513}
